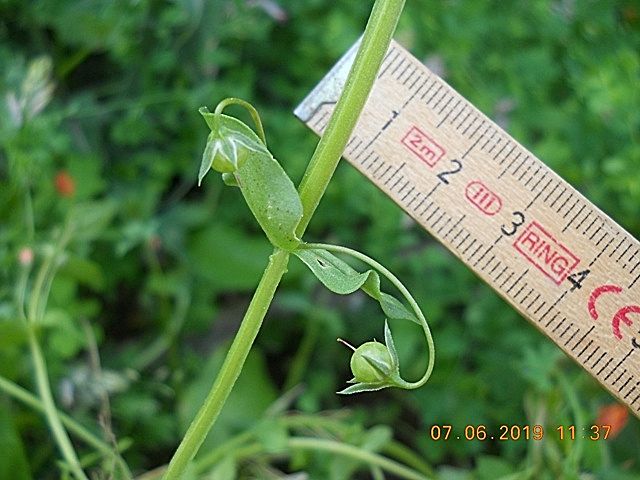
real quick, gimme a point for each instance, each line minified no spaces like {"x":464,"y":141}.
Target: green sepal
{"x":384,"y":369}
{"x":341,"y":278}
{"x":388,"y":341}
{"x":230,"y":180}
{"x":363,"y":387}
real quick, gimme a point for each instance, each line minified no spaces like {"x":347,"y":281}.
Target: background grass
{"x":104,"y":96}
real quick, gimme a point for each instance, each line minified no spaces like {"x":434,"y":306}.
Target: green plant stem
{"x":375,"y":42}
{"x":308,"y":422}
{"x":341,"y":449}
{"x":405,"y":293}
{"x":374,"y":45}
{"x":34,"y":402}
{"x":35,"y":312}
{"x":44,"y":390}
{"x":232,"y":366}
{"x":318,"y":444}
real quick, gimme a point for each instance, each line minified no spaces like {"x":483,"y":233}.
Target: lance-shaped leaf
{"x":363,"y":387}
{"x":341,"y":278}
{"x":234,"y":150}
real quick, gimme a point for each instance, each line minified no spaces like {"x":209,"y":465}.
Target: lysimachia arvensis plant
{"x":241,"y":156}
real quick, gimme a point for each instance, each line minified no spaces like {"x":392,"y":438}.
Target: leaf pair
{"x":235,"y":151}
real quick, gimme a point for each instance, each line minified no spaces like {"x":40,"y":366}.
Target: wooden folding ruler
{"x":559,"y":260}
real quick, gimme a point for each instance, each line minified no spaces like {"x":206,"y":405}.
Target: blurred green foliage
{"x":99,"y":123}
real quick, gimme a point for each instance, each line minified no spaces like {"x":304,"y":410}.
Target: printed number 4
{"x":577,"y":278}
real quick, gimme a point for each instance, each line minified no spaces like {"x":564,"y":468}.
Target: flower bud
{"x":227,"y":145}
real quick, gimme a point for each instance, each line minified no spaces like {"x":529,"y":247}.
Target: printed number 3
{"x":515,"y":224}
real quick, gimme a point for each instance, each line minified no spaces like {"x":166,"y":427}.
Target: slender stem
{"x":255,"y":116}
{"x":356,"y":453}
{"x":337,"y":448}
{"x":74,"y":427}
{"x":231,"y":367}
{"x":405,"y":293}
{"x":44,"y":390}
{"x":375,"y":43}
{"x":35,"y":311}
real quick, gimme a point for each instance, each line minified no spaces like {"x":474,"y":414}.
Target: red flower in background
{"x":615,"y":415}
{"x":65,"y":185}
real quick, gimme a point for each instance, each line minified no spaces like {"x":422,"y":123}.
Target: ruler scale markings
{"x":464,"y":119}
{"x":540,"y":307}
{"x":564,"y":332}
{"x":533,"y":175}
{"x":399,"y":76}
{"x":444,"y":106}
{"x":513,"y":160}
{"x":412,"y":73}
{"x":619,"y":377}
{"x":440,"y":98}
{"x":581,"y":339}
{"x":616,"y":249}
{"x":434,"y":82}
{"x":495,"y":144}
{"x":388,"y":61}
{"x":434,"y":96}
{"x":625,"y":384}
{"x":524,"y":160}
{"x":442,"y":215}
{"x":625,"y":252}
{"x":525,"y":172}
{"x":470,"y":209}
{"x":631,"y":391}
{"x":535,"y":198}
{"x":557,"y":327}
{"x":449,"y":111}
{"x":584,"y":219}
{"x":502,"y":272}
{"x":410,"y":87}
{"x":571,"y":209}
{"x":520,"y":291}
{"x":444,"y":225}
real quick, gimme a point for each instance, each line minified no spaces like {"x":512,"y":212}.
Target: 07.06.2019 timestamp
{"x":518,"y":432}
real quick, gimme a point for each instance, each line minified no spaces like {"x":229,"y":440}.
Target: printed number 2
{"x":457,"y":166}
{"x":515,"y":224}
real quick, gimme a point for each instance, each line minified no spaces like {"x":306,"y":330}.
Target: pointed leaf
{"x":336,"y":275}
{"x":272,"y":197}
{"x":363,"y":387}
{"x":394,"y":308}
{"x":341,"y":278}
{"x":388,"y":340}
